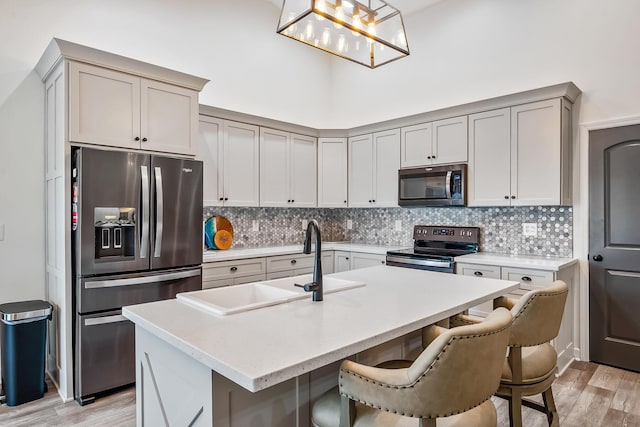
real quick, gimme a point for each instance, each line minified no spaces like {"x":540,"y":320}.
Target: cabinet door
{"x":342,"y":261}
{"x":386,"y":147}
{"x":210,"y":152}
{"x":359,"y":260}
{"x":168,"y":118}
{"x":303,"y":171}
{"x":104,"y":107}
{"x":332,"y":172}
{"x":274,"y":168}
{"x":241,"y":164}
{"x":450,"y":141}
{"x":536,"y":153}
{"x":489,"y":158}
{"x":361,"y":171}
{"x":327,"y":262}
{"x":415,"y":145}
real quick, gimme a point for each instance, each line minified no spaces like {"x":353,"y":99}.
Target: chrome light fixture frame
{"x":376,"y":13}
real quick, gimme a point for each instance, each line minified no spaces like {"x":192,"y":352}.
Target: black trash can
{"x":23,"y":336}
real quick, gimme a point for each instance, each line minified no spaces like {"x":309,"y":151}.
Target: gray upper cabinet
{"x":116,"y":109}
{"x":434,"y":143}
{"x":520,"y":156}
{"x":332,"y":172}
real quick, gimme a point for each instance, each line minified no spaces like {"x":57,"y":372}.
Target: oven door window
{"x":423,"y":187}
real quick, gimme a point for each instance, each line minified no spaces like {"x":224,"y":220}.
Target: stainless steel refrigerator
{"x":136,"y":237}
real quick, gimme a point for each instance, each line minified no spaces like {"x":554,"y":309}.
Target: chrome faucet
{"x":316,"y":285}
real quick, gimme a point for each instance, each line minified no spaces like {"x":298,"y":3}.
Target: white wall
{"x":467,"y":50}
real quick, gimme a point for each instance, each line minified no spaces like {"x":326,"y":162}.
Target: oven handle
{"x":448,"y":184}
{"x":425,"y":262}
{"x":140,"y":280}
{"x":105,"y":320}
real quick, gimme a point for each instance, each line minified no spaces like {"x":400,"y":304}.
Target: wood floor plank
{"x":590,"y":408}
{"x":627,"y":397}
{"x":620,"y":418}
{"x":606,"y":377}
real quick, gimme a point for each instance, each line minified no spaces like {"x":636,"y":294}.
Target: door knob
{"x":597,"y":258}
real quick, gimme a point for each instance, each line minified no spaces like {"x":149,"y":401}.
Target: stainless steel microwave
{"x":433,"y":186}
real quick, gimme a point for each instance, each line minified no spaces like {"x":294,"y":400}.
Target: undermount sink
{"x":239,"y":298}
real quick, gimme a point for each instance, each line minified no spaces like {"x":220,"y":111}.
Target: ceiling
{"x":404,"y":6}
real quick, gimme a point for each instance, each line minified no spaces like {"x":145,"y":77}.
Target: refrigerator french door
{"x":137,"y":232}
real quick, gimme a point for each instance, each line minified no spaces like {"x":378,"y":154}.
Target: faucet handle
{"x":308,"y":287}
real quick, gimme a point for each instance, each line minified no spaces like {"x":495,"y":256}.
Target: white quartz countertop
{"x":234,"y":254}
{"x":260,"y":348}
{"x":517,"y":261}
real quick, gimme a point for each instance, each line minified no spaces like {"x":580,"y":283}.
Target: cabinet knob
{"x":597,"y":258}
{"x":525,"y":279}
{"x":347,"y":258}
{"x":226,"y":198}
{"x":513,"y":197}
{"x":293,"y":261}
{"x":345,"y":201}
{"x":289,"y":201}
{"x":369,"y":200}
{"x":374,"y":200}
{"x":292,"y":200}
{"x":428,"y":157}
{"x":137,"y":138}
{"x":433,"y":157}
{"x":234,"y":269}
{"x":506,"y":197}
{"x":144,"y":139}
{"x":477,"y":273}
{"x":382,"y":261}
{"x":221,"y":198}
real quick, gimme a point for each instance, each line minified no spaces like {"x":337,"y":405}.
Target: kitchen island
{"x":266,"y":366}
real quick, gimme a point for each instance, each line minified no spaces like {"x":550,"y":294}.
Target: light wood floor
{"x":586,"y":395}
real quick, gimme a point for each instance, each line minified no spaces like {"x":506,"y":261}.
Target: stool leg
{"x":515,"y":410}
{"x":550,"y":406}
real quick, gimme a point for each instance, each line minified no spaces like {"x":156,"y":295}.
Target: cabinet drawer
{"x":289,"y":262}
{"x":208,"y":284}
{"x":529,"y":279}
{"x":361,"y":260}
{"x":489,"y":271}
{"x":231,"y":269}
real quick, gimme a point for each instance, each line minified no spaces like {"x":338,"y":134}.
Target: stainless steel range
{"x":434,"y":248}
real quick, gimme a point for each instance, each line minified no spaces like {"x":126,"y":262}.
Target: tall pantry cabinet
{"x":100,"y":99}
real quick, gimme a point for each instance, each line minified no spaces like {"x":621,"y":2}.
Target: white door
{"x":168,"y":118}
{"x":303,"y":171}
{"x":387,"y":162}
{"x":490,"y":158}
{"x":104,"y":107}
{"x":274,"y":168}
{"x":332,"y":172}
{"x":210,"y":152}
{"x":361,"y":171}
{"x":415,"y":145}
{"x":536,"y":153}
{"x":241,"y":164}
{"x":450,"y":141}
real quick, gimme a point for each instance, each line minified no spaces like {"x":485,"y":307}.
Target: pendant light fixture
{"x":369,"y":32}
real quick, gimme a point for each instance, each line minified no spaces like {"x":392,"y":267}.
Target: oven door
{"x":432,"y":186}
{"x":421,"y":263}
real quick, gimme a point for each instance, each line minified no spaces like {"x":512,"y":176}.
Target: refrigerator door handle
{"x":159,"y":212}
{"x":141,"y":280}
{"x":105,"y":320}
{"x":144,"y":239}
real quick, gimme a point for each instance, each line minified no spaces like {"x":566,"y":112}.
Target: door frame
{"x":581,"y":222}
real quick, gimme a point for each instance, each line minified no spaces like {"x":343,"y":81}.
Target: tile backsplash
{"x":500,"y":227}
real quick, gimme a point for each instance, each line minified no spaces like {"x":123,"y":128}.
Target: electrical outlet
{"x":398,"y":225}
{"x":305,"y":223}
{"x":349,"y":224}
{"x":529,"y":229}
{"x":255,"y":225}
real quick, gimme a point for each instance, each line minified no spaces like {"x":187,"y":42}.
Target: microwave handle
{"x":448,"y":184}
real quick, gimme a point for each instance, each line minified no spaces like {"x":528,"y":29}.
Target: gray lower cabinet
{"x":225,"y":273}
{"x":531,"y":279}
{"x":345,"y":261}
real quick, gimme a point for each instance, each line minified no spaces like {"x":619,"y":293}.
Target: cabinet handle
{"x":347,"y":258}
{"x":292,"y":200}
{"x":221,"y":198}
{"x":293,"y":261}
{"x":506,"y":197}
{"x":513,"y":197}
{"x":345,"y":201}
{"x":144,"y":139}
{"x":234,"y":269}
{"x":428,"y":157}
{"x":526,"y":279}
{"x":137,"y":138}
{"x":382,"y":262}
{"x":226,"y":198}
{"x":374,"y":200}
{"x":477,"y":273}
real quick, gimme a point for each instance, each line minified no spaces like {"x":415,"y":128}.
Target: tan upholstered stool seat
{"x":326,"y":413}
{"x":538,"y":362}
